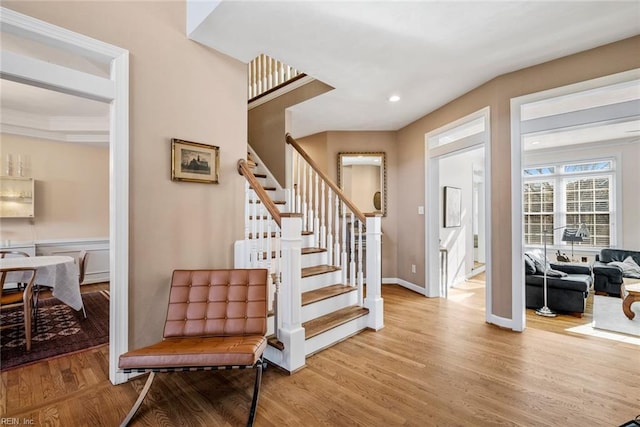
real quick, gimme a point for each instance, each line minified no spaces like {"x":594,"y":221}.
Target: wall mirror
{"x":363,"y":179}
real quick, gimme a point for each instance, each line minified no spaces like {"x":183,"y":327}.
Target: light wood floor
{"x":435,"y":363}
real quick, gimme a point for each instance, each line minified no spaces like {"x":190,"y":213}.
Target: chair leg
{"x":141,"y":397}
{"x":256,"y":393}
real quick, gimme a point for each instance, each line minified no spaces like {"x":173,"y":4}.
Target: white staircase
{"x":313,"y":307}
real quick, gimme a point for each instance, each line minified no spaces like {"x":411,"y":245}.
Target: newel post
{"x":373,"y":300}
{"x":291,"y":332}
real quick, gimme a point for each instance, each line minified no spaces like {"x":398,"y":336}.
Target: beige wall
{"x":267,"y":126}
{"x":71,"y":190}
{"x":324,"y":148}
{"x":602,"y":61}
{"x":178,"y":89}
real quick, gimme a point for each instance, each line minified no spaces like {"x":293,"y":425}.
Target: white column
{"x":290,"y":303}
{"x":374,"y":301}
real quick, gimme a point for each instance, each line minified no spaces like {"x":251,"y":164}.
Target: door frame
{"x":519,"y":128}
{"x":432,"y":199}
{"x":115,"y":92}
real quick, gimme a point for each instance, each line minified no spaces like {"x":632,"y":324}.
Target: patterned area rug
{"x":61,"y":330}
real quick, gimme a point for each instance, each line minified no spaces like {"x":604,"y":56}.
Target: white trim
{"x":46,"y":75}
{"x":503,"y":322}
{"x":432,"y":180}
{"x":411,"y":286}
{"x":517,"y":237}
{"x":118,"y":94}
{"x":281,"y":91}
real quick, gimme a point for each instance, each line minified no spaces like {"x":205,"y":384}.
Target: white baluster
{"x":352,"y":255}
{"x":329,"y":226}
{"x":247,"y":225}
{"x":305,"y":197}
{"x":254,"y":229}
{"x":359,"y":273}
{"x":343,"y":261}
{"x":310,"y":198}
{"x":323,"y":228}
{"x":298,"y":167}
{"x":264,"y":73}
{"x":336,"y":250}
{"x":316,"y":210}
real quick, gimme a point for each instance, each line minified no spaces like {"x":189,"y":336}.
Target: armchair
{"x":217,"y":319}
{"x":607,"y":276}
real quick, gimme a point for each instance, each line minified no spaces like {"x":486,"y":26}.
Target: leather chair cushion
{"x":217,"y":303}
{"x":196,"y":352}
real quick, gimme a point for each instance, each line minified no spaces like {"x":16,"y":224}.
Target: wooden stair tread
{"x":310,"y":250}
{"x":332,"y":320}
{"x":273,"y":342}
{"x":307,"y":233}
{"x":264,"y":235}
{"x":318,"y":269}
{"x":277,"y":202}
{"x":260,"y":175}
{"x":316,"y":295}
{"x":269,"y":188}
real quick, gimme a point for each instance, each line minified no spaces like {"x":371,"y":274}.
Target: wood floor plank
{"x":436,"y":362}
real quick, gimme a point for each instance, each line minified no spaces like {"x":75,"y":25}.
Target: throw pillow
{"x":529,"y":265}
{"x":629,"y":267}
{"x":556,"y":273}
{"x":538,"y":258}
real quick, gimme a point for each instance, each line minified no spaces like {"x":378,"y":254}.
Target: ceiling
{"x":426,"y":52}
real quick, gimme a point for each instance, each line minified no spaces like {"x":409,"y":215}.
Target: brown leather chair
{"x":217,"y":319}
{"x":24,"y":297}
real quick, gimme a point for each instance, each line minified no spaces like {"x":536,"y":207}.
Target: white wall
{"x":628,"y":166}
{"x":457,"y":171}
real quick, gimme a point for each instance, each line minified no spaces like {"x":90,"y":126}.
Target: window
{"x":569,"y":194}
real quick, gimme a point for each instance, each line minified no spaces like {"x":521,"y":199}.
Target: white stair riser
{"x":274,"y":356}
{"x":308,"y":241}
{"x":329,"y":305}
{"x":274,"y":225}
{"x":320,"y":280}
{"x":261,"y":210}
{"x":309,"y":260}
{"x":335,"y":335}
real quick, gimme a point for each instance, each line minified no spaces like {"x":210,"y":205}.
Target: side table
{"x":632,"y":291}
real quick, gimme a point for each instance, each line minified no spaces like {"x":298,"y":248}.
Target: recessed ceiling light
{"x":394,"y":98}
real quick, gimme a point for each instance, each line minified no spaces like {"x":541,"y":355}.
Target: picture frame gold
{"x":194,"y":161}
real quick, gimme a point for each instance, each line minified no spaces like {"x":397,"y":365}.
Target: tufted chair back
{"x":208,"y":303}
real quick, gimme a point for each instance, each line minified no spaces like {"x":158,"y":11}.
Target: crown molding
{"x":92,"y":130}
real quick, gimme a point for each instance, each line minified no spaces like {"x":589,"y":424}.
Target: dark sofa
{"x":566,"y":294}
{"x":608,"y":278}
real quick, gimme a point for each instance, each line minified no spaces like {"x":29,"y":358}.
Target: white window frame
{"x":559,"y":179}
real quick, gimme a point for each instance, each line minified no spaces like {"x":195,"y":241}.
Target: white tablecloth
{"x":57,"y":272}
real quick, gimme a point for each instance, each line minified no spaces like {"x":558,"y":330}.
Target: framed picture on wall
{"x":194,"y":162}
{"x":452,"y":206}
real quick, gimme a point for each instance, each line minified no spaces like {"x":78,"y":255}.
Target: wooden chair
{"x":82,"y":269}
{"x":5,"y":252}
{"x":25,"y":297}
{"x":217,"y":319}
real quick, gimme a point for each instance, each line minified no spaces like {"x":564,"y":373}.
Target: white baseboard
{"x":97,"y":259}
{"x":411,"y":286}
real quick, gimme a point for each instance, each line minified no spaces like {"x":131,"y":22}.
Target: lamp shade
{"x":571,"y":235}
{"x":575,"y":234}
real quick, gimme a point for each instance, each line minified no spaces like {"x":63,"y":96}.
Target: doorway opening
{"x":458,"y":205}
{"x":572,"y":144}
{"x":49,"y":57}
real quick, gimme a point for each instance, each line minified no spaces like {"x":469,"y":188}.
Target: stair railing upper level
{"x":266,"y":74}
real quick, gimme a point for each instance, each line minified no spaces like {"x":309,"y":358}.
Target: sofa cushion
{"x":529,"y":265}
{"x":629,"y":267}
{"x":607,"y":255}
{"x":573,"y":282}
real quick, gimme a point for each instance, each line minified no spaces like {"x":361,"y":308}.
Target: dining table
{"x":60,"y":273}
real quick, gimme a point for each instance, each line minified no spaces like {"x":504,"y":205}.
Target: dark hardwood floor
{"x":435,"y":363}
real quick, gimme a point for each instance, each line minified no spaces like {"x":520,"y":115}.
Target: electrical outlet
{"x":420,"y":210}
{"x":413,"y":268}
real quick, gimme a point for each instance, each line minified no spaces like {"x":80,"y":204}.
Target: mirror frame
{"x":383,"y":173}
